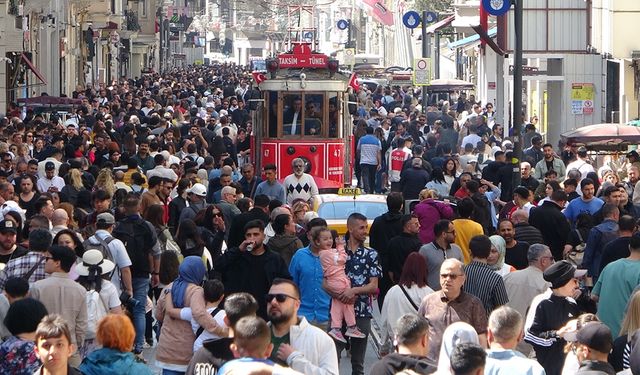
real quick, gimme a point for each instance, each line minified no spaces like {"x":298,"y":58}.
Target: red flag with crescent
{"x":353,"y":82}
{"x":258,"y":77}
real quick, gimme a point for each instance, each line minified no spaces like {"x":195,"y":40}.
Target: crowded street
{"x":179,"y":196}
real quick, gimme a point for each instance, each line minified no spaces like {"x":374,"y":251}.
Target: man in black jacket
{"x":552,"y":223}
{"x":400,"y":247}
{"x":258,"y":212}
{"x":251,"y":267}
{"x":412,"y":334}
{"x":385,"y":227}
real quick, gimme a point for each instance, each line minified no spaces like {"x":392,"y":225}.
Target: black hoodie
{"x":393,"y":363}
{"x":209,"y":358}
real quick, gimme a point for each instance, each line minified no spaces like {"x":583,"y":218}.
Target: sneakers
{"x":355,"y":333}
{"x":138,"y":357}
{"x":337,"y":335}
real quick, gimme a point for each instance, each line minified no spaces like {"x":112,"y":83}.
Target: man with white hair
{"x":300,"y":185}
{"x":527,"y":179}
{"x":228,"y":207}
{"x":503,"y":335}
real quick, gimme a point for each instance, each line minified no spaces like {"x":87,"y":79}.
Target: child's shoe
{"x":337,"y":335}
{"x":355,"y":333}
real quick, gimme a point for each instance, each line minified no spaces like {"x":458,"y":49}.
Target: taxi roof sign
{"x":349,"y":191}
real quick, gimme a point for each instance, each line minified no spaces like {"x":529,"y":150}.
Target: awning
{"x":378,"y":11}
{"x":25,"y":59}
{"x":440,"y":24}
{"x":471,"y":39}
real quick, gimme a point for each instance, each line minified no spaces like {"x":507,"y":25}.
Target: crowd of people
{"x":142,"y":222}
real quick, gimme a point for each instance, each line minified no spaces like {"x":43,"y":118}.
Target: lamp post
{"x":517,"y":90}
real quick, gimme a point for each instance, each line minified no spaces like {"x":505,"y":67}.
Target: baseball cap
{"x":198,"y":189}
{"x":49,"y":166}
{"x":596,"y":336}
{"x":8,"y":226}
{"x":633,"y":154}
{"x":105,"y":218}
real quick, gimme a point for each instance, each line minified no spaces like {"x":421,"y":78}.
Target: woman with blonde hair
{"x":116,"y":334}
{"x":619,"y":357}
{"x":74,"y":186}
{"x":105,"y":182}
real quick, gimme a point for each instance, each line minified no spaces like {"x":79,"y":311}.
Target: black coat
{"x":412,"y":181}
{"x":236,"y":231}
{"x":553,"y":225}
{"x":237,"y":270}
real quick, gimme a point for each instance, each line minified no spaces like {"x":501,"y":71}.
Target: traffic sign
{"x":496,"y":7}
{"x":422,"y":72}
{"x":431,"y":17}
{"x":411,"y":19}
{"x":343,"y":24}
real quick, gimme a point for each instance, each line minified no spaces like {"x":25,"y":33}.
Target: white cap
{"x":198,"y":189}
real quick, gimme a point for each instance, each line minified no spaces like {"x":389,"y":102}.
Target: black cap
{"x":596,"y":336}
{"x":633,"y":154}
{"x":8,"y":226}
{"x":49,"y":166}
{"x":560,"y":273}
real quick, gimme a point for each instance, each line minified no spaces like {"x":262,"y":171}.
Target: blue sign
{"x":307,"y":35}
{"x":496,"y":7}
{"x":343,"y":24}
{"x":411,"y":19}
{"x":431,"y":17}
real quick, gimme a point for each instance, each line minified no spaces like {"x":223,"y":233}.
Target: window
{"x":302,"y":114}
{"x":342,"y":210}
{"x":142,"y":8}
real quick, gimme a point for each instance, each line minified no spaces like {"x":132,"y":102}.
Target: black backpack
{"x":137,"y":237}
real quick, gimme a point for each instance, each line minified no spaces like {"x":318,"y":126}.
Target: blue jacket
{"x":111,"y":361}
{"x":599,"y":236}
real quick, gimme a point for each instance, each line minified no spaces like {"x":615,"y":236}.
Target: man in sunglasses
{"x":438,"y":306}
{"x":296,"y":343}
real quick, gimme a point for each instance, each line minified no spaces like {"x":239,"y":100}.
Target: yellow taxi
{"x":336,"y":208}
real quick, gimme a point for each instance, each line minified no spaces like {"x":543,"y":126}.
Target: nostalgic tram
{"x":303,"y":113}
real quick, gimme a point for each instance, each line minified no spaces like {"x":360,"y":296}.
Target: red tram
{"x":304,"y":114}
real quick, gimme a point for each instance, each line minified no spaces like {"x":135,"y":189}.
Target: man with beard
{"x":300,"y":185}
{"x":516,"y":254}
{"x":296,"y":343}
{"x":209,"y":358}
{"x":251,"y":267}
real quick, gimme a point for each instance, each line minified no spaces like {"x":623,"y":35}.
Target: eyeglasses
{"x":280,"y":297}
{"x":48,"y":258}
{"x":451,"y":276}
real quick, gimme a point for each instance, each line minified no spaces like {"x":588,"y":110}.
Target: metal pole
{"x":426,"y":47}
{"x":160,"y":52}
{"x":349,"y":32}
{"x":436,"y":55}
{"x":517,"y":90}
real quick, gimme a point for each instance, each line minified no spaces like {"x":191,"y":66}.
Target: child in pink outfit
{"x":333,"y":261}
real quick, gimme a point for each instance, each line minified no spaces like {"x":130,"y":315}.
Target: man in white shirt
{"x":299,"y":184}
{"x":161,"y":170}
{"x":50,"y":182}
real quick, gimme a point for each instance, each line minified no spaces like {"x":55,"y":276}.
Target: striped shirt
{"x":486,"y":284}
{"x":369,"y":147}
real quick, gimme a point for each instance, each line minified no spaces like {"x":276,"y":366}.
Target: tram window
{"x":292,"y":115}
{"x":273,"y":114}
{"x":313,"y":114}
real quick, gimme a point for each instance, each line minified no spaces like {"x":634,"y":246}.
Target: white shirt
{"x":186,"y":314}
{"x":44,"y":183}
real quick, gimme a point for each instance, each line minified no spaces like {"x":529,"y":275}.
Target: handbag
{"x":409,"y":298}
{"x":576,"y":255}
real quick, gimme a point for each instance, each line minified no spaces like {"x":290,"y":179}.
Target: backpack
{"x":103,"y":247}
{"x":137,"y":238}
{"x":96,"y":310}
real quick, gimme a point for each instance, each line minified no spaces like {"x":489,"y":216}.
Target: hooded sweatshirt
{"x":111,"y":361}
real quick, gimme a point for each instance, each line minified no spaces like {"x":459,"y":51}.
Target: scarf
{"x":191,"y":271}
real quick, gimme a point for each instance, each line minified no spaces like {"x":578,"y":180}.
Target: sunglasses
{"x":279,"y":297}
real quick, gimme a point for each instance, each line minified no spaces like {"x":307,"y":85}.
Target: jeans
{"x":140,"y":290}
{"x":358,"y":346}
{"x":368,"y":177}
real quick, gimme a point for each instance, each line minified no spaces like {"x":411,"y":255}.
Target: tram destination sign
{"x":313,"y":60}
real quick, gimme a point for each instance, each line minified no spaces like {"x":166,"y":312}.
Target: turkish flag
{"x":353,"y":82}
{"x":258,"y":77}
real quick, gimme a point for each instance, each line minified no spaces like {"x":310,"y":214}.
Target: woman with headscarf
{"x":496,"y":257}
{"x":457,"y":333}
{"x":175,"y":347}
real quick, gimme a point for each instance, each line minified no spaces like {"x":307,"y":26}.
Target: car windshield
{"x":342,"y":210}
